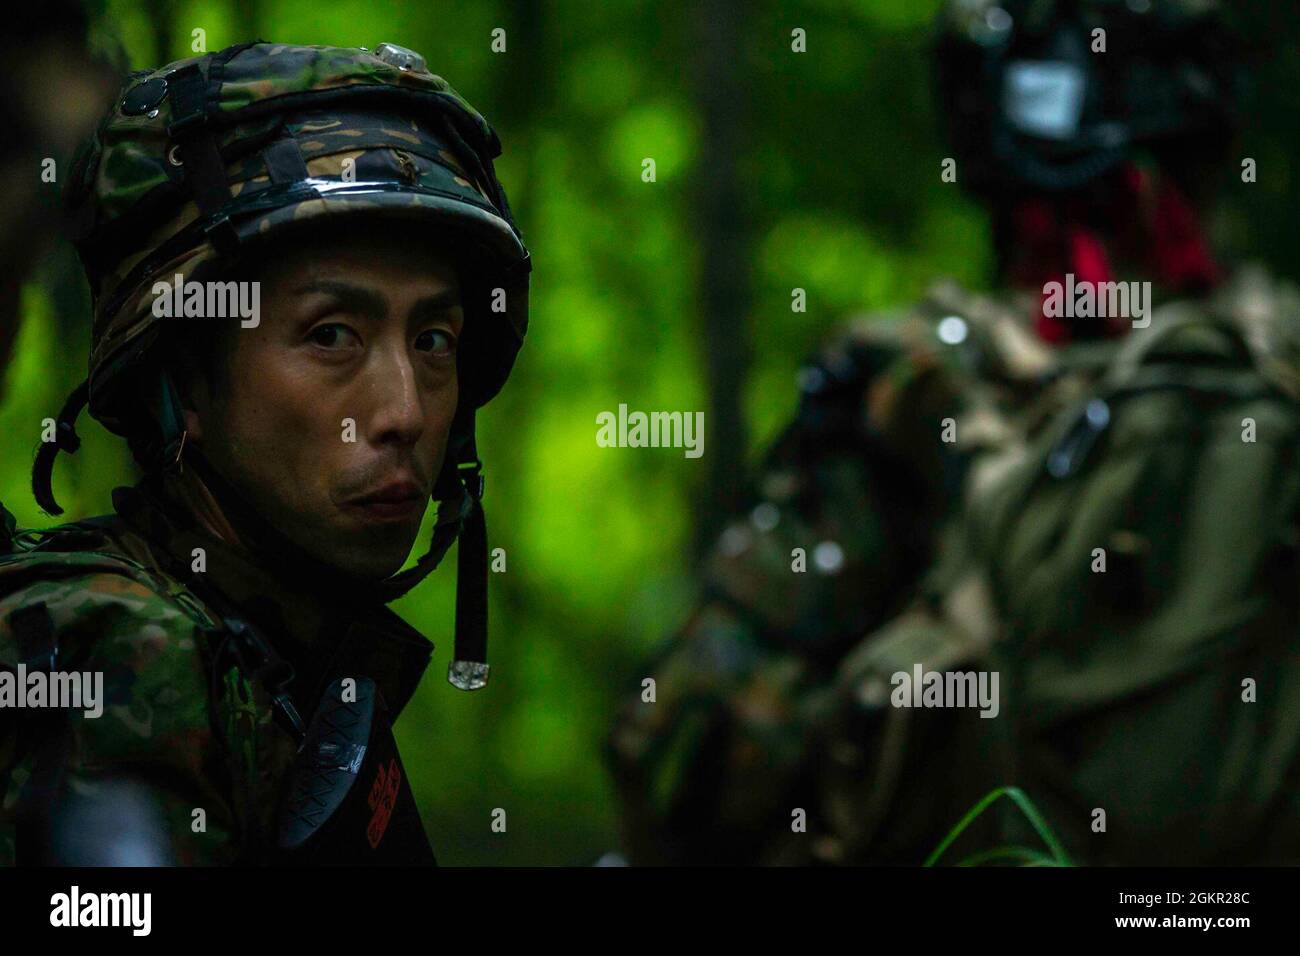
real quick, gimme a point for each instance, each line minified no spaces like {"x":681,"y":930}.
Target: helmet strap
{"x":196,"y":145}
{"x":469,"y":669}
{"x":458,"y":490}
{"x":461,"y":484}
{"x":65,"y":439}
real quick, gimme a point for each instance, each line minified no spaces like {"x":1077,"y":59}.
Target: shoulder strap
{"x":1193,"y":349}
{"x":1188,"y":349}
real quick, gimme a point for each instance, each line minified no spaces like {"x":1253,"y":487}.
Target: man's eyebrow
{"x":351,"y":297}
{"x":436,"y":304}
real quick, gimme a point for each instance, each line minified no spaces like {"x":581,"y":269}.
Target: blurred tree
{"x":723,"y":236}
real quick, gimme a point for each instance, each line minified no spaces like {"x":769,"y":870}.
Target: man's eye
{"x":436,"y":341}
{"x":332,"y":335}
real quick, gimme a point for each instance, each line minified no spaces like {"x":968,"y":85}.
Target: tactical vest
{"x":344,"y":799}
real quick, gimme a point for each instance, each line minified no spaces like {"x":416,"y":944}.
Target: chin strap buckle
{"x":467,"y":675}
{"x":469,"y":668}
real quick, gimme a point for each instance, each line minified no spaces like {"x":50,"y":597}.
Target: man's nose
{"x":397,"y":413}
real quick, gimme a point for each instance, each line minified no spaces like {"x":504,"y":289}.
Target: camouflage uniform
{"x":1118,"y":689}
{"x":179,"y":715}
{"x":212,"y":674}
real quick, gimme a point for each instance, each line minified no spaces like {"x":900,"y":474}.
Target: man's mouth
{"x":398,"y":501}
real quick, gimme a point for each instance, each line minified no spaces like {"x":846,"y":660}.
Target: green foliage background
{"x":838,"y":172}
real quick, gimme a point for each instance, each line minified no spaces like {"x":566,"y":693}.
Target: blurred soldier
{"x":1017,"y":486}
{"x":306,"y":281}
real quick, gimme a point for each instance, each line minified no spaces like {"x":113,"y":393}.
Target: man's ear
{"x":194,"y":391}
{"x":193,"y":424}
{"x":196,"y":355}
{"x":196,"y":402}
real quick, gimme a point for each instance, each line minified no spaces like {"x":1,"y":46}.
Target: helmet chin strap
{"x":458,"y":516}
{"x":65,"y":439}
{"x":458,"y":491}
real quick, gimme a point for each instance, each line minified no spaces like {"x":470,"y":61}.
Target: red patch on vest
{"x":382,"y":799}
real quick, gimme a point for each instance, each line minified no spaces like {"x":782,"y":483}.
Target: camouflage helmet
{"x":1030,"y":104}
{"x":208,"y":154}
{"x":200,"y":161}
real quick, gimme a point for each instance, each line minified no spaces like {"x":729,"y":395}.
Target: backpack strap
{"x":1154,"y":360}
{"x":1198,"y":329}
{"x":1188,"y":348}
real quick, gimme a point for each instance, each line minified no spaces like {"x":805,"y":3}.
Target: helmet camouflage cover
{"x":206,"y":155}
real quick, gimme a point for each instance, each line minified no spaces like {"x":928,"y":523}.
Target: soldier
{"x":1106,"y":522}
{"x":306,"y":279}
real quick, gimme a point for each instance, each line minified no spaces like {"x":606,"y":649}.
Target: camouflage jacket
{"x":868,"y":552}
{"x":117,"y":595}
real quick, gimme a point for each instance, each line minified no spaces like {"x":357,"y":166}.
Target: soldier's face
{"x":337,"y":406}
